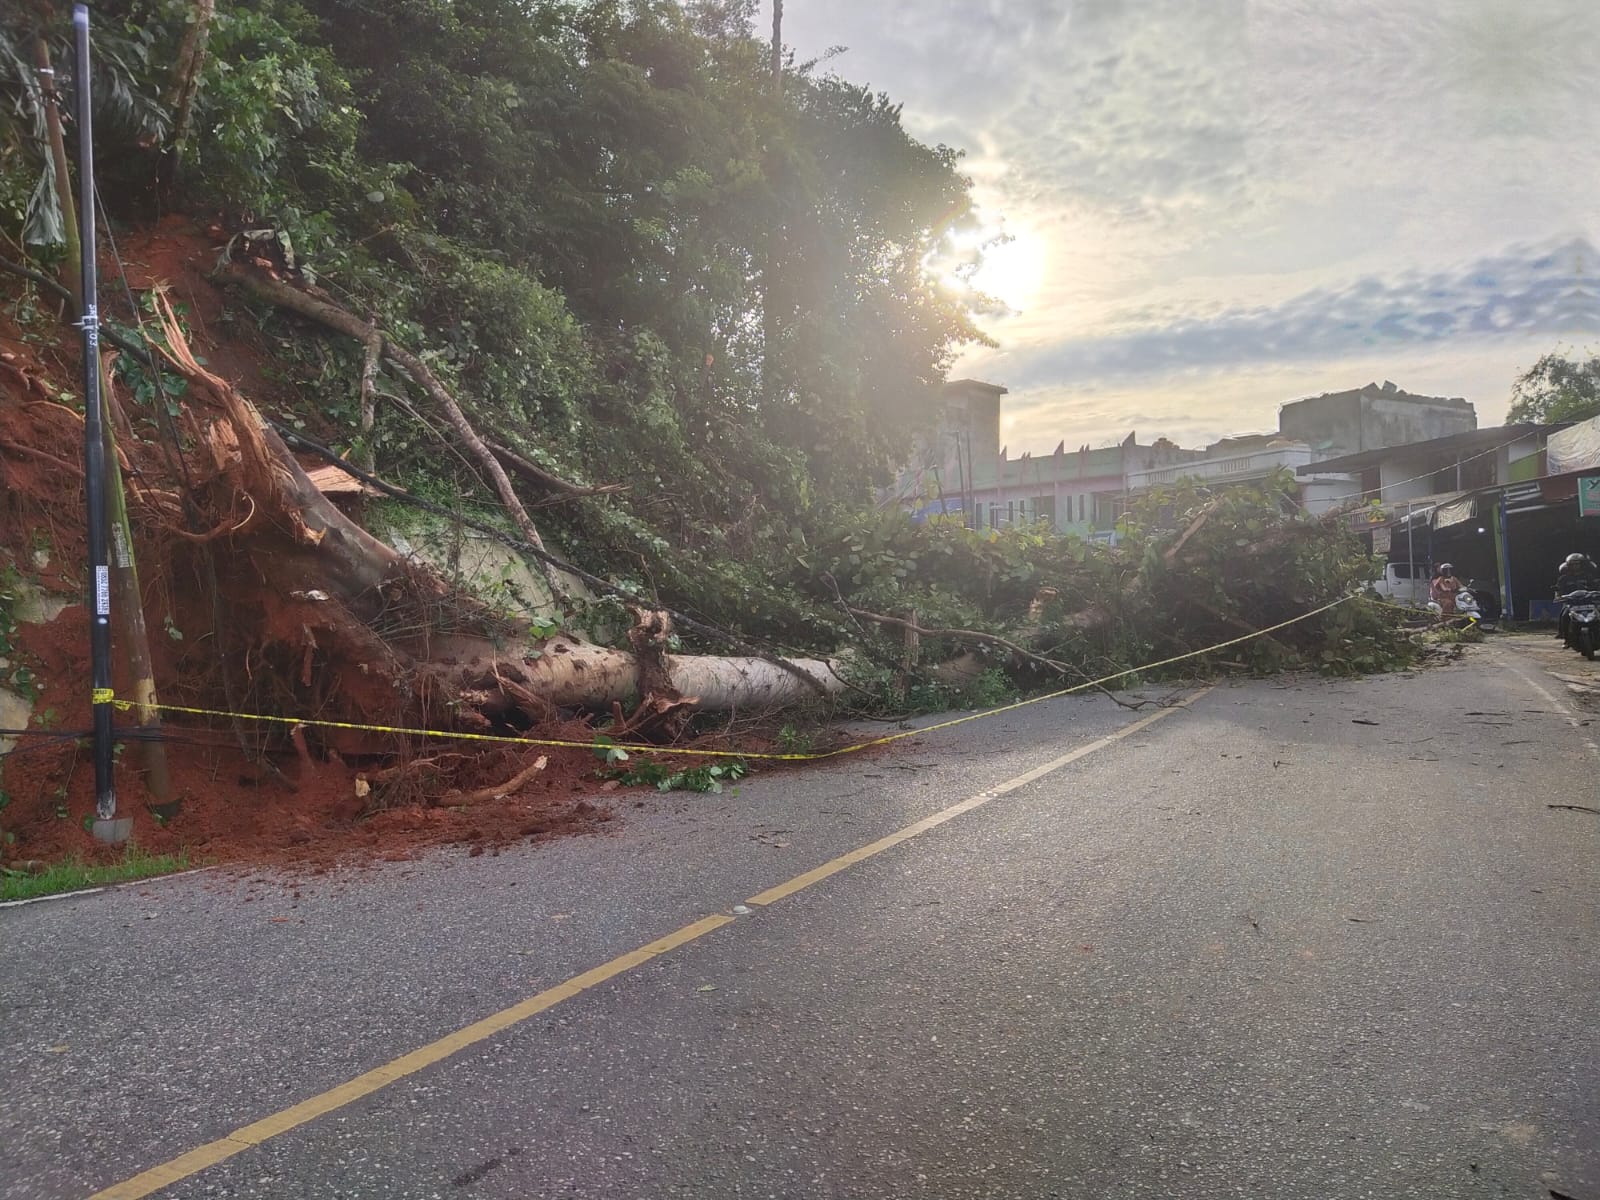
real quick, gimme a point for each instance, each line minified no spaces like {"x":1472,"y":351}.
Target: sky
{"x":1218,"y":206}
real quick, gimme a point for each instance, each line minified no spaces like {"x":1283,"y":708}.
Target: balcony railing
{"x":1233,"y":467}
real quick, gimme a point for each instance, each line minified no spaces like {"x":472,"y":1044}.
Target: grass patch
{"x":74,"y":874}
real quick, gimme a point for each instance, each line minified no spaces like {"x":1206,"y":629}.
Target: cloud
{"x":1548,"y":290}
{"x":1218,"y":206}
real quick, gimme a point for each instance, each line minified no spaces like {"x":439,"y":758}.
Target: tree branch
{"x":602,"y":586}
{"x":343,"y":321}
{"x":536,"y":474}
{"x":990,"y":639}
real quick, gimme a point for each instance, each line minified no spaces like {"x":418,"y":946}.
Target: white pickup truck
{"x":1404,"y":583}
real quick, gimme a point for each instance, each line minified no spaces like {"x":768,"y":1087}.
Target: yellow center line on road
{"x":149,"y":1182}
{"x":861,"y":853}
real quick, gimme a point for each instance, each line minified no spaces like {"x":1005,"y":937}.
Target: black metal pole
{"x":94,"y":453}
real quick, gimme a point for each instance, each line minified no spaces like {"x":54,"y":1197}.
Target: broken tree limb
{"x":343,"y":321}
{"x":536,"y":474}
{"x":369,"y":403}
{"x":1235,"y":623}
{"x":506,"y":788}
{"x":1195,"y":526}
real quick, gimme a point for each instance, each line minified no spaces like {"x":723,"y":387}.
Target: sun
{"x":1003,"y":265}
{"x":1012,"y":271}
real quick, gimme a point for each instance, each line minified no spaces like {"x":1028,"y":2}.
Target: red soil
{"x":233,"y":810}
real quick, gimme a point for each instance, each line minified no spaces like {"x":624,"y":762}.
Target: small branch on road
{"x":1576,"y":808}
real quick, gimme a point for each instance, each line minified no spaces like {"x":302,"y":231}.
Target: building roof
{"x":975,"y":385}
{"x":1387,"y":391}
{"x":1455,"y":443}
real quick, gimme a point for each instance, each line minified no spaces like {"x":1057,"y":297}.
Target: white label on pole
{"x":102,"y":591}
{"x":119,"y":546}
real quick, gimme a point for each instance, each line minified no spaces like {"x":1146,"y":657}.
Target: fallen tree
{"x":372,"y":637}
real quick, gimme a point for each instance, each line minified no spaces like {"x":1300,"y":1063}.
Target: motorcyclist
{"x":1443,"y":589}
{"x":1577,"y":573}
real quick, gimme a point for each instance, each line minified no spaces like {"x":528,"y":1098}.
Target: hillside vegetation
{"x":598,"y":281}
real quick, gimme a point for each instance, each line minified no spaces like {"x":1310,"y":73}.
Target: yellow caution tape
{"x":1424,"y":612}
{"x":645,"y":748}
{"x":104,"y":696}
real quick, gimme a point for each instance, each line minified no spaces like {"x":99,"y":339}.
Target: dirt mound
{"x":311,"y":814}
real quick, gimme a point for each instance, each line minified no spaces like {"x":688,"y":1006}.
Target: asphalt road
{"x":1298,"y":939}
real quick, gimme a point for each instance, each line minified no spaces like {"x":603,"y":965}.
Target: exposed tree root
{"x":501,"y":789}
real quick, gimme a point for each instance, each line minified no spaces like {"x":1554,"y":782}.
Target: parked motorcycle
{"x":1580,"y":622}
{"x":1488,"y":601}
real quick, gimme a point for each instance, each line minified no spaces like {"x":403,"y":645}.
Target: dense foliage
{"x":1557,"y":389}
{"x":635,"y":257}
{"x":1192,"y":568}
{"x":639,"y":260}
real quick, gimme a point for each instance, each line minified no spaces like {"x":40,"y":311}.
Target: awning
{"x":1424,"y":510}
{"x":1456,"y":512}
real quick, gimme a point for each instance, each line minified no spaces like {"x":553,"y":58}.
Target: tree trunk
{"x":186,"y":84}
{"x":72,"y":264}
{"x":128,"y":607}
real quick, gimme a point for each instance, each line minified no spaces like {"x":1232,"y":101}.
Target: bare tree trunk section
{"x":129,"y":615}
{"x":186,"y":85}
{"x":576,"y":674}
{"x":911,"y":655}
{"x":777,"y":46}
{"x":71,"y":269}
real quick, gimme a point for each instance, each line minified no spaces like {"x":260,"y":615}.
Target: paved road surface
{"x":1296,"y":940}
